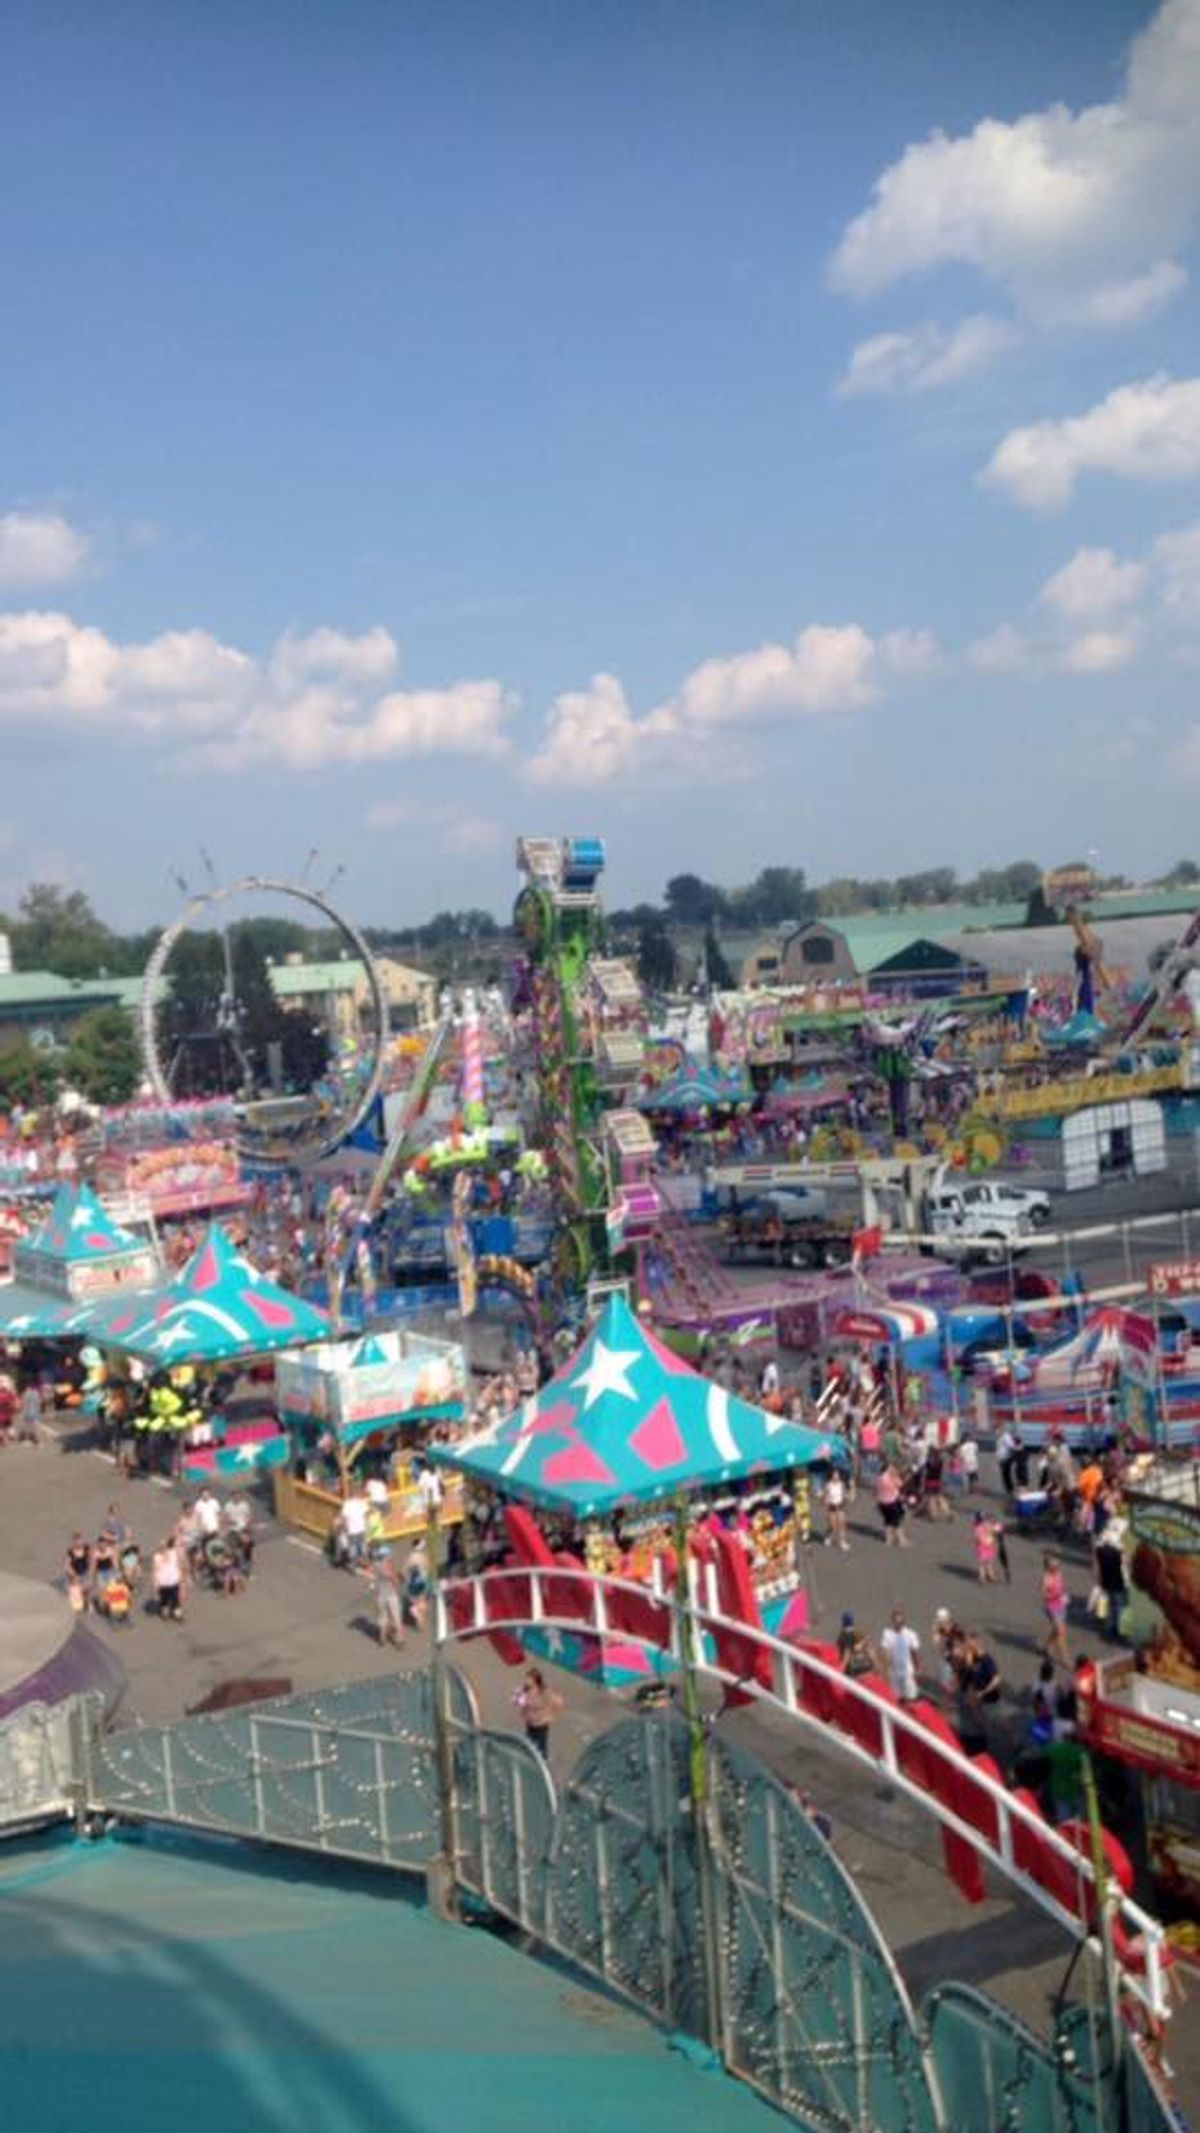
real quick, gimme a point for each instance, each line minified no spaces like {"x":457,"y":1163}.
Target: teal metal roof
{"x":295,"y":980}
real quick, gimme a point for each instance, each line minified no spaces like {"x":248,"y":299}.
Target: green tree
{"x":104,"y":1060}
{"x":57,"y":929}
{"x":656,"y":957}
{"x":719,"y":973}
{"x":1183,"y":874}
{"x":27,"y":1075}
{"x":693,"y":902}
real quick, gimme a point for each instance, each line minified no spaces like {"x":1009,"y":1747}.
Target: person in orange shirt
{"x":1088,"y":1487}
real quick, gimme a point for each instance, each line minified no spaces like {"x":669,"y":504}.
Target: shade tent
{"x":77,"y":1253}
{"x":218,"y":1309}
{"x":626,"y":1422}
{"x":30,"y":1314}
{"x":697,"y":1088}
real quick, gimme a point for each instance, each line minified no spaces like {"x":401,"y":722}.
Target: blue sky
{"x":753,"y":432}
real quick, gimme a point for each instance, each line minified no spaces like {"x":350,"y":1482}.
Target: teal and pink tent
{"x":218,"y":1309}
{"x":78,"y":1252}
{"x":626,"y":1421}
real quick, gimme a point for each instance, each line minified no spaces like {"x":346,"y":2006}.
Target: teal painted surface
{"x":148,"y":1984}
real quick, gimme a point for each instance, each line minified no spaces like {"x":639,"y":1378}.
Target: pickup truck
{"x":967,"y":1230}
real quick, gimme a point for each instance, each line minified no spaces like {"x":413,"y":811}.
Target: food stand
{"x":342,"y":1398}
{"x":619,"y":1446}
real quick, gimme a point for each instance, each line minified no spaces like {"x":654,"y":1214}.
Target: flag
{"x":866,"y":1244}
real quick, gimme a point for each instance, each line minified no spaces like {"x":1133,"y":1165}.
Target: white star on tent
{"x":246,"y":1454}
{"x":608,"y":1371}
{"x":80,"y":1217}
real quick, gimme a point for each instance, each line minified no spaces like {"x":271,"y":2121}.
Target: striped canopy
{"x":627,"y":1422}
{"x":886,"y":1324}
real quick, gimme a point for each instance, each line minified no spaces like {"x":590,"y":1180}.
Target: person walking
{"x":900,"y":1645}
{"x":984,"y":1542}
{"x":168,"y":1577}
{"x":835,"y":1512}
{"x":1054,"y":1605}
{"x":539,"y":1706}
{"x":889,"y":1497}
{"x":389,"y":1605}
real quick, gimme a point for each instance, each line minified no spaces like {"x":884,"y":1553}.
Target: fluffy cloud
{"x":40,"y":548}
{"x":1098,"y":651}
{"x":1002,"y":651}
{"x":593,"y":736}
{"x":1175,"y":558}
{"x":313,"y":701}
{"x":1146,"y":432}
{"x":1093,"y":584}
{"x":924,"y":357}
{"x":1076,"y":216}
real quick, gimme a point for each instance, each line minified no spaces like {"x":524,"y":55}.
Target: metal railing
{"x":1011,"y":1836}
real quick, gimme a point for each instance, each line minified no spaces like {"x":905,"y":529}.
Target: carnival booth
{"x":620,"y":1444}
{"x":78,"y":1259}
{"x":1108,"y":1379}
{"x":372,"y":1402}
{"x":218,"y":1311}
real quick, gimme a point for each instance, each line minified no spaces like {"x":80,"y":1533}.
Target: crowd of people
{"x":210,"y":1543}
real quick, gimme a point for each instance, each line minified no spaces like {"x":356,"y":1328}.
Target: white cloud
{"x":1095,"y":583}
{"x":1098,"y":651}
{"x":40,"y":548}
{"x":1176,"y":559}
{"x":594,"y":738}
{"x":313,"y":701}
{"x":1073,"y":214}
{"x":1076,"y":217}
{"x":926,"y":356}
{"x":1003,"y":651}
{"x":331,"y":653}
{"x":1148,"y":431}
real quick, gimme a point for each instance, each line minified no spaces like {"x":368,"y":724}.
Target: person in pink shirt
{"x":986,"y":1546}
{"x":1054,"y":1603}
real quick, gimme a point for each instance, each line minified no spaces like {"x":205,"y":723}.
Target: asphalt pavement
{"x":302,"y":1621}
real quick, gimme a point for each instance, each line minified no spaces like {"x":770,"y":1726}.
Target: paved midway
{"x":303,"y":1620}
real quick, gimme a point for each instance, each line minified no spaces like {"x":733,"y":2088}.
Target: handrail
{"x":545,"y":1586}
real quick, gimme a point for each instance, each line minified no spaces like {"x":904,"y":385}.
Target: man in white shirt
{"x":354,"y":1526}
{"x":900,"y":1646}
{"x":430,"y":1488}
{"x":208,"y":1514}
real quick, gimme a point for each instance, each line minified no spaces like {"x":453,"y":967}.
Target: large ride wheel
{"x":331,"y":1125}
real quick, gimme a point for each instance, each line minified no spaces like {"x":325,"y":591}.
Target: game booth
{"x":621,"y":1450}
{"x":218,"y":1311}
{"x":349,"y":1405}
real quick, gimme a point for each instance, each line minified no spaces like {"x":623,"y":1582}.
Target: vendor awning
{"x":698,"y":1088}
{"x":219,"y":1308}
{"x":625,"y":1422}
{"x":886,"y":1324}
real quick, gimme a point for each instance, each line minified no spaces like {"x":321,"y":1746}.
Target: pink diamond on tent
{"x":267,"y":1310}
{"x":578,"y":1463}
{"x":122,"y":1325}
{"x":656,"y":1440}
{"x":97,"y":1240}
{"x":554,"y":1421}
{"x":207,"y":1273}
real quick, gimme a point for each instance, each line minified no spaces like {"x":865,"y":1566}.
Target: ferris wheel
{"x":271,"y":1128}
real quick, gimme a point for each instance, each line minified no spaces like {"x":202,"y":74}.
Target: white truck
{"x":988,"y":1221}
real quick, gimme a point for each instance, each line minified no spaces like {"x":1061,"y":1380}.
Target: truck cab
{"x":967,"y":1226}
